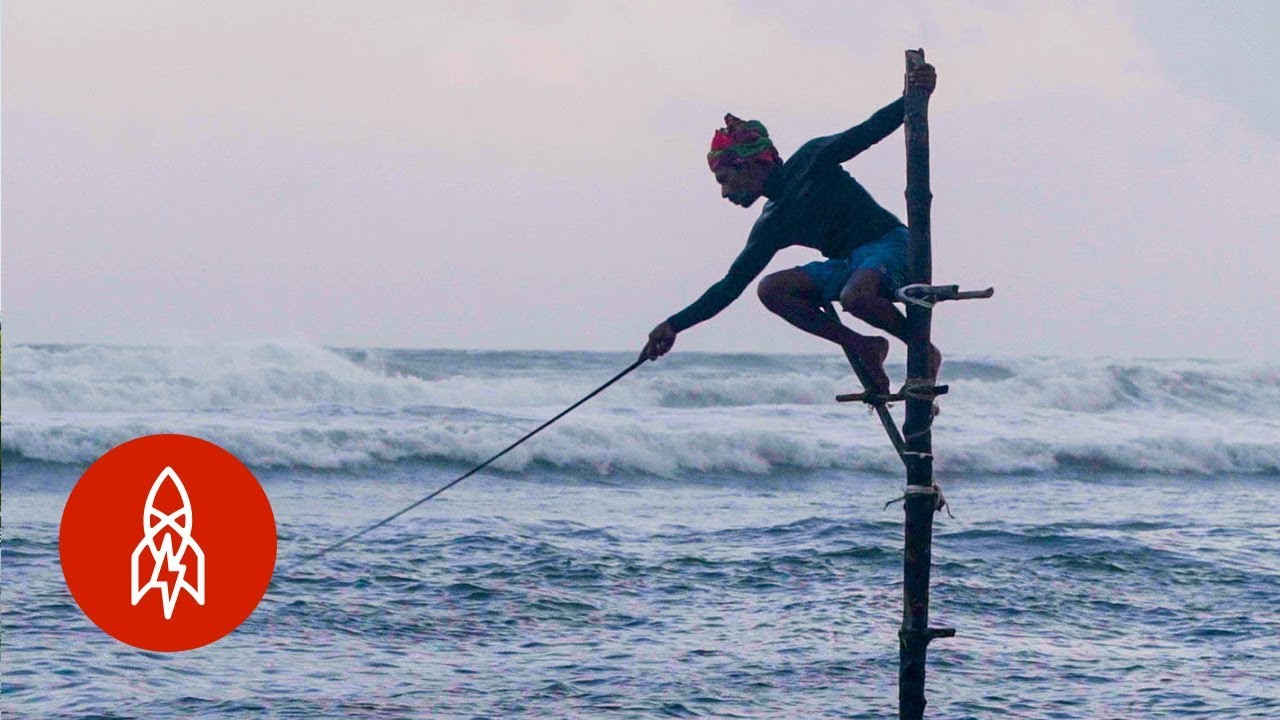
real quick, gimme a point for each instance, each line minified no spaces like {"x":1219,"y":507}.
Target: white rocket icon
{"x":160,"y":529}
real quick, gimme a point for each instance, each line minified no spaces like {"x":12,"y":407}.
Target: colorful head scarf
{"x":740,"y":141}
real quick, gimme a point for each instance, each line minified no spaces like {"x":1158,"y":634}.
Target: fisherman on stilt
{"x":811,"y":201}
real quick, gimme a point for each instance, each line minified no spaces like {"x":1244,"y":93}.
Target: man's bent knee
{"x":768,"y":292}
{"x":782,"y":288}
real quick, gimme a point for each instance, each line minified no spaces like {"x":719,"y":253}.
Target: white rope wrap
{"x":919,"y":389}
{"x":903,"y":296}
{"x":934,"y":489}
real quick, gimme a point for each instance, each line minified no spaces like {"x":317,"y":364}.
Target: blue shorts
{"x":887,"y":256}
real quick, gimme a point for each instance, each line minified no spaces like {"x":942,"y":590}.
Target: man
{"x":812,"y":202}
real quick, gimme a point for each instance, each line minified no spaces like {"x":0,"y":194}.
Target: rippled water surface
{"x":706,"y":539}
{"x":542,"y":595}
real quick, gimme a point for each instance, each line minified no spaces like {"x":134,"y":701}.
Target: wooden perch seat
{"x":873,"y":398}
{"x":932,"y":294}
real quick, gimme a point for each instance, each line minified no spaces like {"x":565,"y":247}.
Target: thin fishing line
{"x":327,"y":549}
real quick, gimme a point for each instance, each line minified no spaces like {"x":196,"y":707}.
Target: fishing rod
{"x":329,"y":548}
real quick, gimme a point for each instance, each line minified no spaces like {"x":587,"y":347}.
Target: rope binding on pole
{"x":940,"y":502}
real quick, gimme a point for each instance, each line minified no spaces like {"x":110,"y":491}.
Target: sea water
{"x":708,"y":538}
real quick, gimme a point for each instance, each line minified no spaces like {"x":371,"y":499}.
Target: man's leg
{"x":792,"y":295}
{"x":863,"y":298}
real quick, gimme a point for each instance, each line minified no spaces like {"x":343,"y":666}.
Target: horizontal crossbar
{"x":926,"y":635}
{"x":873,"y":398}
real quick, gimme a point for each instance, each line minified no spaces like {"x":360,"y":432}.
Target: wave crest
{"x":278,"y":405}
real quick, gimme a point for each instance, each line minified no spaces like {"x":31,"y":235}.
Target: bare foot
{"x":935,"y":363}
{"x":871,"y":352}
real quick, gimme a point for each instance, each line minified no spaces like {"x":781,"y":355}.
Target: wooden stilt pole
{"x":914,"y":443}
{"x":921,"y":496}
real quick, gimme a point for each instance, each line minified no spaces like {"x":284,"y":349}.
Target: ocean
{"x":707,"y":538}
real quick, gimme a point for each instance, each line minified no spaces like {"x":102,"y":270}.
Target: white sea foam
{"x":277,"y":405}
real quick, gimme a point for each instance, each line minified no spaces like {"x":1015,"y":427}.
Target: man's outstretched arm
{"x":750,"y":262}
{"x":843,"y":147}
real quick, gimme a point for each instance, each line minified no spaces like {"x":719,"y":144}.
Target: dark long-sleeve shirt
{"x":812,"y":202}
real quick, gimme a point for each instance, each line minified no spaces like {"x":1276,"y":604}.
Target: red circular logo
{"x":167,"y":542}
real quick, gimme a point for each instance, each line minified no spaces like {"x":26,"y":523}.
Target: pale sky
{"x":533,"y":174}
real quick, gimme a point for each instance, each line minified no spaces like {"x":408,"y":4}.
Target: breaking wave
{"x":282,"y":405}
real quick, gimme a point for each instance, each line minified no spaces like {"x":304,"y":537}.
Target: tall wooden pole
{"x":921,"y":500}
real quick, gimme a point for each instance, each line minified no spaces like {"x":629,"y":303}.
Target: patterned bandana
{"x":740,"y":141}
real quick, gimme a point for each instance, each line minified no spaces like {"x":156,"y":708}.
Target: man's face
{"x":741,"y":184}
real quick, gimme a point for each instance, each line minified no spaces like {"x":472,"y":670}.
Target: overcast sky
{"x":533,"y":175}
